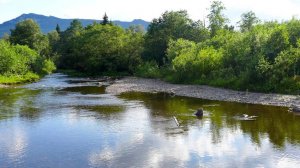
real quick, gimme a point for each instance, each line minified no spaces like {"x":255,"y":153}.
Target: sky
{"x":127,"y":10}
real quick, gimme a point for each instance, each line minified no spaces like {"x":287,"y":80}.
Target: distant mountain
{"x":48,"y":23}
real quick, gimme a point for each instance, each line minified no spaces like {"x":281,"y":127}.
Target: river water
{"x":64,"y":122}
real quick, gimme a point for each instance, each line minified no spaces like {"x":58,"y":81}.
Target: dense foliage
{"x":16,"y":59}
{"x":263,"y":59}
{"x":171,"y":25}
{"x":259,"y":56}
{"x":100,"y":48}
{"x":23,"y":55}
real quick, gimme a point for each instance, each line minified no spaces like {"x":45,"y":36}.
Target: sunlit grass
{"x":17,"y":79}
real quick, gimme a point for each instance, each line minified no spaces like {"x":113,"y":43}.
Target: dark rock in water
{"x":295,"y":109}
{"x":172,"y":93}
{"x":199,"y":112}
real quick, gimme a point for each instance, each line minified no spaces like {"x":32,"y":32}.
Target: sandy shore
{"x":135,"y":84}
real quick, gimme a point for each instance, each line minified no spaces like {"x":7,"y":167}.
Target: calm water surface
{"x":66,"y":122}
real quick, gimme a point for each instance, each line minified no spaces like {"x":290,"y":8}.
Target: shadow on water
{"x":19,"y":101}
{"x":86,"y":89}
{"x":275,"y":122}
{"x":103,"y":111}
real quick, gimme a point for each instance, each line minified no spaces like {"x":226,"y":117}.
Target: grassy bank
{"x":18,"y":79}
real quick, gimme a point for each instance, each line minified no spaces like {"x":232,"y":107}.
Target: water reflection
{"x":58,"y":123}
{"x":13,"y":141}
{"x":18,"y":101}
{"x":86,"y":89}
{"x":276,"y":122}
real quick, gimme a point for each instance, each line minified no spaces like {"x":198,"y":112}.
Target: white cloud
{"x":4,"y":1}
{"x":265,"y":10}
{"x":14,"y":142}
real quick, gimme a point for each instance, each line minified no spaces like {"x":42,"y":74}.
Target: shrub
{"x":48,"y":66}
{"x":148,"y":70}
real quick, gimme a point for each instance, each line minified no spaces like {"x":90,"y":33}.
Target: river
{"x":62,"y":122}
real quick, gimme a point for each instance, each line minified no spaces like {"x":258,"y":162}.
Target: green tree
{"x":103,"y":48}
{"x":179,"y":47}
{"x":277,"y":42}
{"x":7,"y":57}
{"x":48,"y":66}
{"x":171,"y":25}
{"x":133,"y":48}
{"x":25,"y":33}
{"x":248,"y":20}
{"x":67,"y":45}
{"x":54,"y":39}
{"x":196,"y":63}
{"x":105,"y":20}
{"x":293,"y":27}
{"x":16,"y":59}
{"x":28,"y":33}
{"x":58,"y":29}
{"x":216,"y":18}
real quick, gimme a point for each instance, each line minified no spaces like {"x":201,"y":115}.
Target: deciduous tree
{"x":216,"y":18}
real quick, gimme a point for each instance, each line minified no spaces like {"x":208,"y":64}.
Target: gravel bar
{"x":135,"y":84}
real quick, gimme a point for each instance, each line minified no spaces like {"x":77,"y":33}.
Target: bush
{"x":16,"y":79}
{"x":48,"y":66}
{"x":7,"y":57}
{"x":44,"y":66}
{"x":16,"y":59}
{"x":148,"y":70}
{"x":197,"y":63}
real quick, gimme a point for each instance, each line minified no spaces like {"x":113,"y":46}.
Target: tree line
{"x":256,"y":56}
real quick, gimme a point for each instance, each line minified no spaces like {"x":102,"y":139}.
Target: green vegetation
{"x":171,"y":25}
{"x":23,"y":56}
{"x":100,"y":48}
{"x":17,"y":79}
{"x":259,"y":56}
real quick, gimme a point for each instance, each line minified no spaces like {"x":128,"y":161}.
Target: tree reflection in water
{"x":89,"y":128}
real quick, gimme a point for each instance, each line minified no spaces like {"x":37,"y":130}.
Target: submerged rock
{"x":172,"y":93}
{"x":199,"y":112}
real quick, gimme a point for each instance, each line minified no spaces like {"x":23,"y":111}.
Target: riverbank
{"x":18,"y":79}
{"x":3,"y":86}
{"x":135,"y":84}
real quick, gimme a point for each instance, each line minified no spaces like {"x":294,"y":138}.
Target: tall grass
{"x":17,"y":79}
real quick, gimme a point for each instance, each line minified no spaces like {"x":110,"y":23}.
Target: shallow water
{"x":57,"y":122}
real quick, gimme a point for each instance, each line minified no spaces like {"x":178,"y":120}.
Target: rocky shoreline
{"x":135,"y":84}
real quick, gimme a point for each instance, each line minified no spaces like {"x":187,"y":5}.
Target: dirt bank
{"x":135,"y":84}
